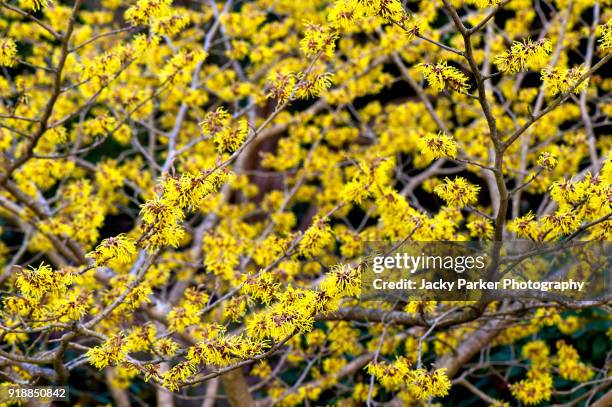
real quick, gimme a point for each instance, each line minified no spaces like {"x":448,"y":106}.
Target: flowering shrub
{"x":185,"y":189}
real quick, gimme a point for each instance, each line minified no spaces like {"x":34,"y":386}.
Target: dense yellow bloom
{"x":144,"y":10}
{"x":231,"y":138}
{"x":215,"y":121}
{"x":262,"y":288}
{"x":316,"y":238}
{"x":35,"y":282}
{"x":8,"y":50}
{"x":558,"y":80}
{"x":282,"y":86}
{"x":480,"y":228}
{"x":34,"y":5}
{"x":170,"y":24}
{"x":524,"y":226}
{"x":547,"y":161}
{"x":605,"y":33}
{"x":345,"y":13}
{"x":192,"y":189}
{"x":317,"y":40}
{"x":537,"y":352}
{"x":533,"y":390}
{"x":439,"y":145}
{"x":569,"y":364}
{"x":441,"y":76}
{"x":420,"y":307}
{"x":523,"y":55}
{"x":421,"y":383}
{"x":484,"y":3}
{"x":458,"y":192}
{"x":110,"y":352}
{"x":312,"y":85}
{"x":343,"y":280}
{"x":166,"y":347}
{"x":178,"y":70}
{"x":120,"y":248}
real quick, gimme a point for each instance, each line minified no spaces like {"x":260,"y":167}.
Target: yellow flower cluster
{"x":312,"y":84}
{"x":295,"y":308}
{"x":344,"y":280}
{"x":145,"y":10}
{"x":537,"y":387}
{"x":346,"y":13}
{"x":34,"y":5}
{"x":318,"y":40}
{"x":458,"y":192}
{"x":439,"y":145}
{"x":316,"y":238}
{"x":221,"y":254}
{"x":162,"y":216}
{"x":569,"y":364}
{"x":111,"y":352}
{"x":228,"y":136}
{"x":419,"y":382}
{"x":187,"y":313}
{"x":484,"y":3}
{"x":533,"y":390}
{"x":557,"y":80}
{"x":523,"y":55}
{"x":131,"y":117}
{"x":8,"y":50}
{"x":605,"y":32}
{"x":441,"y":76}
{"x":179,"y":68}
{"x":370,"y":178}
{"x":120,"y":248}
{"x":99,"y":71}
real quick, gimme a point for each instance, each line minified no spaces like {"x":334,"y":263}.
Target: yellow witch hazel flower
{"x":343,"y":280}
{"x":34,"y":283}
{"x":441,"y":75}
{"x":533,"y":390}
{"x":419,"y":382}
{"x":458,"y":192}
{"x":569,"y":364}
{"x":179,"y":68}
{"x":231,"y":138}
{"x":133,"y":126}
{"x":547,"y":161}
{"x":119,"y":248}
{"x":346,"y":13}
{"x":8,"y":50}
{"x":281,"y":86}
{"x":420,"y":307}
{"x":391,"y":10}
{"x":439,"y":145}
{"x":523,"y":55}
{"x":605,"y":32}
{"x":318,"y":40}
{"x":145,"y":10}
{"x":111,"y":352}
{"x":557,"y":80}
{"x":316,"y":238}
{"x":34,"y":5}
{"x":525,"y":226}
{"x":215,"y":121}
{"x":313,"y":84}
{"x":484,"y":3}
{"x":171,"y":24}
